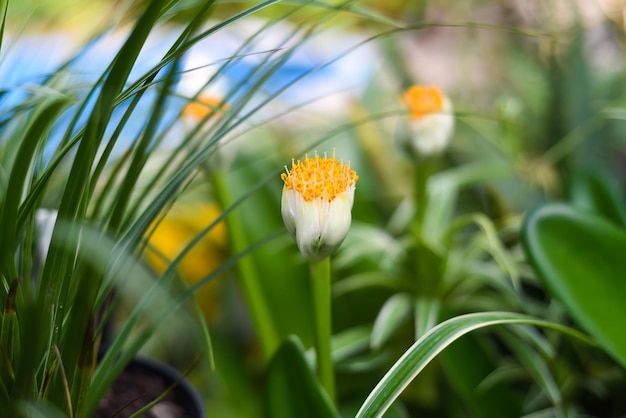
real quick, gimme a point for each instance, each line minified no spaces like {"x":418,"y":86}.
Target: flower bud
{"x":316,"y":204}
{"x":431,"y":122}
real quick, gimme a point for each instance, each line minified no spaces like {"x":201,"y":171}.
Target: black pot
{"x":144,"y":380}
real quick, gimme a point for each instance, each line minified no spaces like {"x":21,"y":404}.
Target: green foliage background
{"x":485,"y":282}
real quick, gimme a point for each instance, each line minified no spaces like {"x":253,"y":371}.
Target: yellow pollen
{"x":203,"y":106}
{"x":316,"y":178}
{"x":423,"y":100}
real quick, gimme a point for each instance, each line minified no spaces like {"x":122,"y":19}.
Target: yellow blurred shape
{"x":169,"y":239}
{"x":203,"y":106}
{"x":540,"y":173}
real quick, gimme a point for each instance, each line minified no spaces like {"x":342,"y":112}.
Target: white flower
{"x":431,"y":122}
{"x":317,"y":199}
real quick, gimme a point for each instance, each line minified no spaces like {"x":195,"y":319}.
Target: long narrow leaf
{"x":5,"y":4}
{"x":33,"y":138}
{"x":432,"y":343}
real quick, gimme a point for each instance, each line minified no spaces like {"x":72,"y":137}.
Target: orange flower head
{"x":430,"y":122}
{"x":203,"y":106}
{"x":317,"y":199}
{"x":319,"y":178}
{"x":423,"y":100}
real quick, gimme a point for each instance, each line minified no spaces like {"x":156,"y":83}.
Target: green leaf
{"x":426,"y":314}
{"x":467,"y":363}
{"x":488,"y":239}
{"x":431,"y":344}
{"x":594,"y":192}
{"x":443,"y":190}
{"x":292,"y":390}
{"x":34,"y":136}
{"x":4,"y":5}
{"x":393,"y":313}
{"x":345,"y":344}
{"x":580,"y":259}
{"x":538,"y":368}
{"x":42,"y":409}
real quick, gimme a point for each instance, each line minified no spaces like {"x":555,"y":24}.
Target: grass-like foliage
{"x":88,"y":149}
{"x":140,"y":209}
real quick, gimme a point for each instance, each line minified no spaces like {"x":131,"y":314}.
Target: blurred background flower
{"x":430,"y":124}
{"x":172,"y":234}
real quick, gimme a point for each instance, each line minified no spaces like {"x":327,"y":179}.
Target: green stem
{"x":248,"y":279}
{"x":427,"y":265}
{"x":422,"y":172}
{"x":320,"y":287}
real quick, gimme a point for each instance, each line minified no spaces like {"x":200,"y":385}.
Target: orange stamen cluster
{"x":317,"y":177}
{"x":423,"y":100}
{"x":203,"y":107}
